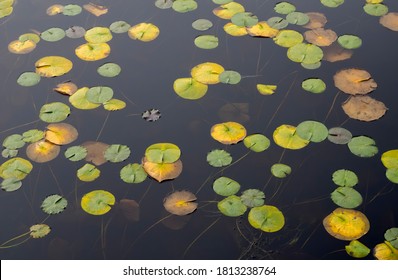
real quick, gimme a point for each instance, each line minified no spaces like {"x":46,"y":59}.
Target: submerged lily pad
{"x":344,"y":178}
{"x":133,"y":173}
{"x":257,"y":142}
{"x":98,"y":202}
{"x":219,"y":158}
{"x":180,"y":203}
{"x":232,"y":206}
{"x":266,"y":218}
{"x":280,"y":170}
{"x":363,"y":146}
{"x":252,"y":198}
{"x":54,"y":204}
{"x":225,"y":186}
{"x":117,"y":153}
{"x":320,"y":37}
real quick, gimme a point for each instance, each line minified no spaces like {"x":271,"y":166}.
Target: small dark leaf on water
{"x":151,"y":115}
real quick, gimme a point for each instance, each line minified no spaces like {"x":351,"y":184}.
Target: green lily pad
{"x":357,"y":250}
{"x":349,"y":42}
{"x":266,"y":218}
{"x":79,"y":100}
{"x":17,"y":168}
{"x":344,"y":178}
{"x":117,"y":153}
{"x":305,"y":53}
{"x":39,"y":230}
{"x":219,"y":158}
{"x":99,"y":95}
{"x":339,"y":135}
{"x":230,"y":77}
{"x":184,"y":6}
{"x":29,"y":36}
{"x":202,"y":24}
{"x":232,"y":206}
{"x":54,"y":112}
{"x":277,"y":22}
{"x":71,"y":10}
{"x":311,"y":66}
{"x":76,"y":153}
{"x":363,"y":146}
{"x":252,"y":198}
{"x":53,"y":34}
{"x":312,"y":131}
{"x":11,"y":184}
{"x":280,"y":170}
{"x":297,"y":18}
{"x":391,"y":235}
{"x":163,"y":153}
{"x":314,"y":85}
{"x":206,"y":42}
{"x":109,"y":70}
{"x":119,"y":27}
{"x":332,"y":3}
{"x":88,"y":173}
{"x":189,"y":88}
{"x":28,"y":79}
{"x":7,"y":153}
{"x":98,"y":35}
{"x":54,"y":204}
{"x":376,"y":10}
{"x":346,"y":197}
{"x":288,"y":38}
{"x":221,"y":2}
{"x":133,"y":173}
{"x":257,"y":142}
{"x":6,"y":12}
{"x":164,"y":4}
{"x":392,"y":175}
{"x":284,"y":8}
{"x":244,"y":19}
{"x":98,"y":202}
{"x":225,"y":186}
{"x":13,"y":142}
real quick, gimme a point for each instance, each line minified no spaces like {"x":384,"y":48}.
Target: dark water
{"x":148,"y":73}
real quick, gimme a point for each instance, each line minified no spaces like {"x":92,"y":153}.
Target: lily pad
{"x":202,"y":24}
{"x":54,"y":9}
{"x":376,"y":10}
{"x":364,"y":108}
{"x":280,"y":170}
{"x":95,"y":152}
{"x":114,"y":104}
{"x":54,"y":204}
{"x":79,"y":100}
{"x":17,"y":168}
{"x":162,"y":171}
{"x":385,"y":251}
{"x":344,"y":178}
{"x":54,"y":112}
{"x":71,"y":10}
{"x":391,"y":235}
{"x":363,"y":146}
{"x":42,"y":151}
{"x":151,"y":115}
{"x":339,"y":135}
{"x":286,"y":137}
{"x":75,"y":32}
{"x":219,"y":158}
{"x":392,"y":175}
{"x":228,"y":10}
{"x":61,"y":133}
{"x":228,"y":132}
{"x":119,"y":27}
{"x":189,"y":88}
{"x":225,"y":186}
{"x":109,"y":70}
{"x":163,"y":153}
{"x":76,"y":153}
{"x":53,"y":34}
{"x":349,"y":42}
{"x":305,"y":53}
{"x":164,"y":4}
{"x":246,"y":19}
{"x":230,"y":77}
{"x":262,"y":29}
{"x":288,"y":38}
{"x":390,"y":159}
{"x":29,"y":36}
{"x":206,"y":42}
{"x":390,"y":21}
{"x":266,"y":89}
{"x":13,"y":142}
{"x":284,"y":8}
{"x":297,"y":18}
{"x":232,"y":206}
{"x":207,"y":73}
{"x":88,"y":173}
{"x":266,"y":218}
{"x":98,"y":35}
{"x":317,"y":20}
{"x":257,"y":142}
{"x":252,"y":198}
{"x":357,"y":249}
{"x":95,"y":9}
{"x":180,"y":203}
{"x":11,"y":184}
{"x":312,"y":131}
{"x":277,"y":22}
{"x":346,"y":197}
{"x":28,"y":79}
{"x":53,"y":66}
{"x":67,"y":88}
{"x":314,"y":85}
{"x":354,"y":81}
{"x":7,"y":153}
{"x":99,"y":94}
{"x":117,"y":153}
{"x":184,"y":6}
{"x":93,"y":52}
{"x":39,"y":230}
{"x":21,"y":47}
{"x":133,"y":173}
{"x":144,"y":32}
{"x":98,"y":202}
{"x":234,"y":30}
{"x":320,"y":37}
{"x":332,"y":3}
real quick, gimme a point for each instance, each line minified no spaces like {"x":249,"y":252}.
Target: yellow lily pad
{"x":144,"y":32}
{"x":286,"y":137}
{"x":262,"y":29}
{"x":98,"y":202}
{"x":61,"y":133}
{"x":227,"y":11}
{"x":162,"y":171}
{"x":207,"y":73}
{"x":42,"y":151}
{"x":228,"y":132}
{"x":17,"y":168}
{"x":93,"y":52}
{"x":266,"y":89}
{"x":385,"y":251}
{"x":21,"y":47}
{"x":234,"y":30}
{"x":390,"y":159}
{"x":79,"y":100}
{"x":53,"y":66}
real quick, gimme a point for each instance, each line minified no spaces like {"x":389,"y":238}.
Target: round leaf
{"x":230,"y":77}
{"x":53,"y":34}
{"x":305,"y":53}
{"x":392,"y":175}
{"x":390,"y":159}
{"x":109,"y":70}
{"x":164,"y":4}
{"x":257,"y":142}
{"x":266,"y":218}
{"x":13,"y":142}
{"x":219,"y":158}
{"x":75,"y":32}
{"x":97,"y":35}
{"x":76,"y":153}
{"x":252,"y":198}
{"x":232,"y":206}
{"x":391,"y":235}
{"x":312,"y":131}
{"x":11,"y":184}
{"x":228,"y":10}
{"x":286,"y":137}
{"x":349,"y":42}
{"x":53,"y":66}
{"x":363,"y":146}
{"x":284,"y":8}
{"x":297,"y":18}
{"x":54,"y":204}
{"x":162,"y":171}
{"x":332,"y":3}
{"x":183,"y":6}
{"x":345,"y":178}
{"x":93,"y":52}
{"x":120,"y":26}
{"x":79,"y":100}
{"x":133,"y":173}
{"x":99,"y":95}
{"x":280,"y":170}
{"x":376,"y":10}
{"x":71,"y":10}
{"x":189,"y":88}
{"x":288,"y":38}
{"x":180,"y":203}
{"x":98,"y":202}
{"x":17,"y":168}
{"x":277,"y":22}
{"x":39,"y":230}
{"x":42,"y":151}
{"x":228,"y":132}
{"x":202,"y":24}
{"x":364,"y":108}
{"x":314,"y":85}
{"x":28,"y":79}
{"x":245,"y":19}
{"x":88,"y":173}
{"x":206,"y":42}
{"x":339,"y":135}
{"x":21,"y":47}
{"x":207,"y":73}
{"x":61,"y":133}
{"x":117,"y":153}
{"x":54,"y":112}
{"x":144,"y":32}
{"x":163,"y":153}
{"x":354,"y":81}
{"x":357,"y":250}
{"x":346,"y":197}
{"x":114,"y":105}
{"x":225,"y":186}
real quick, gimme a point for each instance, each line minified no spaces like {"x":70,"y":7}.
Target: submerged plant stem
{"x":2,"y":246}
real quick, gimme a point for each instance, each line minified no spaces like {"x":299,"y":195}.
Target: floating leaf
{"x":97,"y":35}
{"x":235,"y":30}
{"x":95,"y":152}
{"x":11,"y":184}
{"x":262,"y":29}
{"x":391,"y":236}
{"x":390,"y":159}
{"x":346,"y":197}
{"x":392,"y":175}
{"x":232,"y":206}
{"x":163,"y":153}
{"x":54,"y":10}
{"x":363,"y":146}
{"x":117,"y":153}
{"x":75,"y":32}
{"x":109,"y":70}
{"x":364,"y":108}
{"x":202,"y":24}
{"x":14,"y":142}
{"x":114,"y":105}
{"x":7,"y":153}
{"x":346,"y":224}
{"x":42,"y":151}
{"x":339,"y":135}
{"x":67,"y":88}
{"x":54,"y":112}
{"x":390,"y":21}
{"x":221,"y":2}
{"x":29,"y":36}
{"x":119,"y":27}
{"x":28,"y":79}
{"x":332,"y":3}
{"x":61,"y":133}
{"x":385,"y":251}
{"x":314,"y":85}
{"x":317,"y":20}
{"x":311,"y":66}
{"x":286,"y":137}
{"x":53,"y":34}
{"x":252,"y":198}
{"x":277,"y":22}
{"x":288,"y":38}
{"x":144,"y":32}
{"x":151,"y":115}
{"x":21,"y":47}
{"x":284,"y":8}
{"x":88,"y":173}
{"x":280,"y":170}
{"x":164,"y":4}
{"x":71,"y":10}
{"x":6,"y":11}
{"x":207,"y":73}
{"x":312,"y":131}
{"x":54,"y":204}
{"x":320,"y":37}
{"x":354,"y":81}
{"x":189,"y":88}
{"x":39,"y":230}
{"x":99,"y":95}
{"x":95,"y":9}
{"x":33,"y":135}
{"x":133,"y":173}
{"x":246,"y":19}
{"x":206,"y":42}
{"x":376,"y":10}
{"x":344,"y":178}
{"x":93,"y":52}
{"x":79,"y":100}
{"x":305,"y":53}
{"x":349,"y":42}
{"x":257,"y":142}
{"x":76,"y":153}
{"x":297,"y":18}
{"x":228,"y":132}
{"x":98,"y":202}
{"x":357,"y":250}
{"x":184,"y":6}
{"x":266,"y":89}
{"x":53,"y":66}
{"x":230,"y":77}
{"x":227,"y":11}
{"x":219,"y":158}
{"x":162,"y":171}
{"x":17,"y":168}
{"x":225,"y":186}
{"x":180,"y":203}
{"x":266,"y":218}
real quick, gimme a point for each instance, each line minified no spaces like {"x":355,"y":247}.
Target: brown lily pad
{"x":320,"y":37}
{"x":364,"y":108}
{"x":354,"y":81}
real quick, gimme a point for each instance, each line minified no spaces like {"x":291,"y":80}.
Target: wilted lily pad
{"x":286,"y":136}
{"x":354,"y":81}
{"x":346,"y":197}
{"x":312,"y":131}
{"x":98,"y":202}
{"x":88,"y":173}
{"x":364,"y":108}
{"x":266,"y":218}
{"x":346,"y":224}
{"x":66,"y":88}
{"x":95,"y":152}
{"x":225,"y":186}
{"x":357,"y":249}
{"x":42,"y":151}
{"x":133,"y":173}
{"x":144,"y":32}
{"x":117,"y":153}
{"x":345,"y":178}
{"x":54,"y":204}
{"x":130,"y":209}
{"x":317,"y":20}
{"x":257,"y":142}
{"x":61,"y":133}
{"x":17,"y":168}
{"x":219,"y":158}
{"x":262,"y":29}
{"x":228,"y":132}
{"x":280,"y":170}
{"x":54,"y":9}
{"x":385,"y":251}
{"x":151,"y":115}
{"x":54,"y":112}
{"x":320,"y":37}
{"x":39,"y":230}
{"x":162,"y":171}
{"x":252,"y":198}
{"x":232,"y":206}
{"x":95,"y":9}
{"x":53,"y":66}
{"x":28,"y":79}
{"x":163,"y":153}
{"x":390,"y":21}
{"x":363,"y":146}
{"x":180,"y":203}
